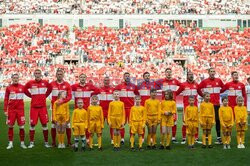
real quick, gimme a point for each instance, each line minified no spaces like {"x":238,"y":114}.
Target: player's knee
{"x":45,"y":127}
{"x":21,"y":127}
{"x":10,"y":126}
{"x":32,"y":127}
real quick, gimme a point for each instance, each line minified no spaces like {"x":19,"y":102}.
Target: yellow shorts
{"x":136,"y":127}
{"x":61,"y":119}
{"x":116,"y":122}
{"x":152,"y":121}
{"x":79,"y":129}
{"x":241,"y":128}
{"x":167,"y":121}
{"x":95,"y":127}
{"x":207,"y":123}
{"x":191,"y":127}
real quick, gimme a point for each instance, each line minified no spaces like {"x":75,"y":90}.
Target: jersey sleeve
{"x":220,"y":117}
{"x":54,"y":111}
{"x":181,"y":88}
{"x":26,"y":89}
{"x":69,"y":94}
{"x":6,"y":100}
{"x":49,"y":89}
{"x":200,"y":87}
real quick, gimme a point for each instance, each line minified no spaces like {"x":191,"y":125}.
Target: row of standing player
{"x":151,"y":115}
{"x":38,"y":90}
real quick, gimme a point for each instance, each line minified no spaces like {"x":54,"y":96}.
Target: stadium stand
{"x":106,"y":51}
{"x":221,"y":7}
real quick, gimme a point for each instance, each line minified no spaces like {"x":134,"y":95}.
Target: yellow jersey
{"x":62,"y":109}
{"x":240,"y":114}
{"x":167,"y":106}
{"x":226,"y":116}
{"x":137,"y":113}
{"x":207,"y":111}
{"x":95,"y":113}
{"x":153,"y":108}
{"x":79,"y":116}
{"x":191,"y":114}
{"x":116,"y":110}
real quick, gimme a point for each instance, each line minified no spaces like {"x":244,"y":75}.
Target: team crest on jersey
{"x":42,"y":84}
{"x":217,"y":83}
{"x":110,"y":91}
{"x":63,"y":87}
{"x":239,"y":87}
{"x":20,"y":90}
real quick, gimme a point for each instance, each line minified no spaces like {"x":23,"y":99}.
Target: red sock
{"x":45,"y":135}
{"x":32,"y":134}
{"x":68,"y":133}
{"x":21,"y":134}
{"x":10,"y":134}
{"x":87,"y":134}
{"x":174,"y":128}
{"x":184,"y":132}
{"x":111,"y":133}
{"x":53,"y":135}
{"x":197,"y":134}
{"x":122,"y":131}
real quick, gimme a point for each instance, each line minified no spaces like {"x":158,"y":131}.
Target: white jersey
{"x":248,"y":97}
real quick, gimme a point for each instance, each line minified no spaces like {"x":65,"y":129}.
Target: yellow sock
{"x":228,"y":139}
{"x":238,"y":138}
{"x":140,"y":141}
{"x":209,"y":139}
{"x":203,"y":139}
{"x":224,"y":140}
{"x":189,"y":139}
{"x":59,"y":138}
{"x":99,"y":140}
{"x":242,"y":137}
{"x":90,"y":141}
{"x":154,"y":138}
{"x":62,"y":138}
{"x":115,"y":140}
{"x":168,"y":139}
{"x":163,"y":139}
{"x":118,"y":141}
{"x":149,"y":139}
{"x":132,"y":140}
{"x":192,"y":139}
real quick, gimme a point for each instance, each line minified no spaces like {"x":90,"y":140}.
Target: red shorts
{"x":127,"y":113}
{"x":40,"y":112}
{"x":16,"y":115}
{"x":105,"y":114}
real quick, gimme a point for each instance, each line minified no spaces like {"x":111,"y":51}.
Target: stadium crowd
{"x":150,"y":47}
{"x":124,"y":7}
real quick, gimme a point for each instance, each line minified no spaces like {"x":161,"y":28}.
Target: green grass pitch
{"x":178,"y":155}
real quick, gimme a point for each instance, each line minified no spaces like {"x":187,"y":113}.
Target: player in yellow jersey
{"x":61,"y":117}
{"x":79,"y":124}
{"x":116,"y":119}
{"x":191,"y":120}
{"x":207,"y":120}
{"x":153,"y":109}
{"x":240,"y":112}
{"x":168,"y":109}
{"x":137,"y":121}
{"x":95,"y":122}
{"x":226,"y":120}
